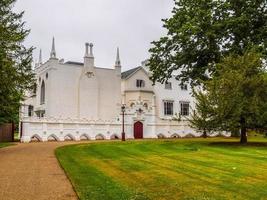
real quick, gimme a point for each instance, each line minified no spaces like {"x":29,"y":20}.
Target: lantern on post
{"x":123,"y":108}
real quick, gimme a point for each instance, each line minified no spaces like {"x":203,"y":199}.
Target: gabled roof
{"x":128,"y":73}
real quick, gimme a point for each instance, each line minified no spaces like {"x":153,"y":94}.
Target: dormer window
{"x":140,"y":83}
{"x":168,"y":85}
{"x":183,"y":86}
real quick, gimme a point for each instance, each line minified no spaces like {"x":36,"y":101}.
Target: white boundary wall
{"x":45,"y":129}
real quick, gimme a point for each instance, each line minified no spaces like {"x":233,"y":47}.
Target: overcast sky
{"x":129,"y":24}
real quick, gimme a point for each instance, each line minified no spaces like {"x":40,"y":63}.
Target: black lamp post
{"x":123,"y":108}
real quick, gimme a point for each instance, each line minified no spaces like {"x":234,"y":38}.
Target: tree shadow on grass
{"x":238,"y":144}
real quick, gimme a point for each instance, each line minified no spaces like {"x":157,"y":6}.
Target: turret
{"x":40,"y":62}
{"x":118,"y":62}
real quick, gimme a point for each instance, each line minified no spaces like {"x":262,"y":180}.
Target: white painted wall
{"x":70,"y":93}
{"x":60,"y":129}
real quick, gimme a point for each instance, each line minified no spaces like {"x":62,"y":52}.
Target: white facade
{"x":80,"y":101}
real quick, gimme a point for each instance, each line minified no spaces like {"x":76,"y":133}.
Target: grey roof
{"x":73,"y":63}
{"x":128,"y":73}
{"x":124,"y":75}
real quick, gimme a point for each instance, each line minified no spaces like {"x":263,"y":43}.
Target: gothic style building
{"x":81,"y":101}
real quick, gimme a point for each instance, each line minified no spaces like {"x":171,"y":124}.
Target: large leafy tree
{"x":236,"y":96}
{"x":201,"y":32}
{"x":15,"y":62}
{"x":202,"y":118}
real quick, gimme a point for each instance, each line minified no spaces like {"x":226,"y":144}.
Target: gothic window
{"x":168,"y":107}
{"x":140,"y":83}
{"x":145,"y":106}
{"x":42,"y":97}
{"x":30,"y":110}
{"x":168,"y":85}
{"x":46,"y":75}
{"x":184,"y":106}
{"x":34,"y":89}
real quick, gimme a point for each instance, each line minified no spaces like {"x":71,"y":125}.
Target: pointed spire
{"x":118,"y":61}
{"x":40,"y":57}
{"x":53,"y":50}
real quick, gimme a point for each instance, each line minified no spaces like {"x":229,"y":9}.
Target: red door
{"x":138,"y":130}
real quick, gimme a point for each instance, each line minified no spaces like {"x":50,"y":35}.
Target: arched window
{"x":34,"y":89}
{"x":30,"y":110}
{"x":42,"y":97}
{"x":145,"y":105}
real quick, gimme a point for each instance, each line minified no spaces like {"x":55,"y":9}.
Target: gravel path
{"x":32,"y":172}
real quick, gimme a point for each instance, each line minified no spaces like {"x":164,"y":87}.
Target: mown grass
{"x":213,"y":168}
{"x":4,"y":144}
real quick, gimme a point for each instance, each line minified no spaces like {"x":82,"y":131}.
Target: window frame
{"x":184,"y":112}
{"x":168,"y":85}
{"x":30,"y":110}
{"x":42,"y":93}
{"x":140,"y":83}
{"x":168,"y":107}
{"x":184,"y":87}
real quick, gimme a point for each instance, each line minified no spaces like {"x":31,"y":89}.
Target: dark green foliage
{"x":201,"y":32}
{"x":236,"y":97}
{"x":15,"y":62}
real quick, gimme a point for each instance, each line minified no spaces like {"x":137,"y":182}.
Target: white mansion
{"x":81,"y":101}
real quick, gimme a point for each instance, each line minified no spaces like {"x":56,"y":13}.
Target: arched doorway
{"x":138,"y":130}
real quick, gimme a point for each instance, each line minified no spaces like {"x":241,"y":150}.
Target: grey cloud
{"x":129,"y":24}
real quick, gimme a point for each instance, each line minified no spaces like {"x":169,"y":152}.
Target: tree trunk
{"x":243,"y":135}
{"x":204,"y":134}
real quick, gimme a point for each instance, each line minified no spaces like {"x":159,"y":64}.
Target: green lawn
{"x":213,"y":168}
{"x":4,"y":144}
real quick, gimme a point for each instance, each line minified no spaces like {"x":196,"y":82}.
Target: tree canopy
{"x":202,"y":32}
{"x":236,"y":96}
{"x":15,"y":62}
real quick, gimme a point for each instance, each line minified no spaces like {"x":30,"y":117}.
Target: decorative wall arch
{"x":52,"y":138}
{"x":99,"y":137}
{"x":36,"y":138}
{"x":114,"y":137}
{"x":84,"y":137}
{"x":161,"y":136}
{"x":175,"y":135}
{"x":69,"y":137}
{"x":189,"y":135}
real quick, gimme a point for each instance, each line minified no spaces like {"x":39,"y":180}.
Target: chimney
{"x":89,"y":57}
